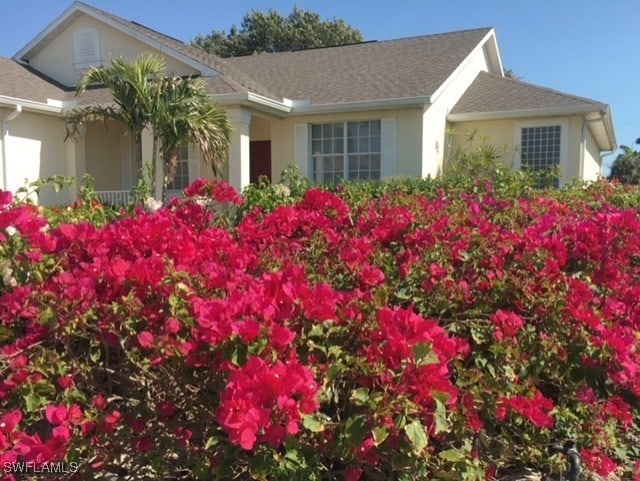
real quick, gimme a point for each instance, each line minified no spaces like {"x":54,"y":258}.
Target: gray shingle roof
{"x":393,"y":69}
{"x":23,"y":82}
{"x":491,"y":93}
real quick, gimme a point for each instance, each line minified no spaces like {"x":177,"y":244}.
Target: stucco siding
{"x":591,"y":169}
{"x":498,"y":133}
{"x":103,"y":152}
{"x":577,"y":162}
{"x":434,"y":120}
{"x":35,"y":149}
{"x":408,"y":137}
{"x":57,"y":59}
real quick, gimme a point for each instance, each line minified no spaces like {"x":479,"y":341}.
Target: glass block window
{"x":181,"y":179}
{"x":346,"y":150}
{"x":540,"y":149}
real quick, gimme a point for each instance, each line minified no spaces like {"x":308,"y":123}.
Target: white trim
{"x":31,"y":105}
{"x":451,"y":78}
{"x":564,"y":141}
{"x":32,"y":47}
{"x":388,"y":148}
{"x":384,"y":104}
{"x":302,"y":149}
{"x":515,"y":114}
{"x":251,"y":99}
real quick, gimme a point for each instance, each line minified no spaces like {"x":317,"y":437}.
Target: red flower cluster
{"x":264,"y":403}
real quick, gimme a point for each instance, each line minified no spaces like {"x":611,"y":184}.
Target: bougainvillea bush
{"x":372,"y":333}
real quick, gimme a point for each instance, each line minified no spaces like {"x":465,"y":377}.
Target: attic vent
{"x":86,"y":48}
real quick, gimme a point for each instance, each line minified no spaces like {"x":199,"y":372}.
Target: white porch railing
{"x":115,"y":198}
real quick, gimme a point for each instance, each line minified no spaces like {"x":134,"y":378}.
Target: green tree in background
{"x":269,"y":31}
{"x":626,"y":167}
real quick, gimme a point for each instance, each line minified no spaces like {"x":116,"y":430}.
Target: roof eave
{"x":381,"y":104}
{"x":256,"y":101}
{"x":52,"y":107}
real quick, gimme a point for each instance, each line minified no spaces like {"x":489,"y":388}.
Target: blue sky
{"x":584,"y":47}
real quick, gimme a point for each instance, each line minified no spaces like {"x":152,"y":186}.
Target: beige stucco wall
{"x":501,"y":133}
{"x":56,"y":59}
{"x":498,"y":133}
{"x":35,"y":149}
{"x":434,"y":122}
{"x":260,"y":128}
{"x":103,"y":148}
{"x":592,"y":168}
{"x":408,"y":137}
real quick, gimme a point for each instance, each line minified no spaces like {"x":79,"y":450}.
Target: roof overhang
{"x":77,"y":9}
{"x":301,"y":108}
{"x":51,"y":107}
{"x":598,"y":117}
{"x":286,"y":107}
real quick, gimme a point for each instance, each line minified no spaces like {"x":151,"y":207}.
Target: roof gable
{"x":140,"y":33}
{"x":392,"y":69}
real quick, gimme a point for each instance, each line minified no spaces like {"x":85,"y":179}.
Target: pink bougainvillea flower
{"x":145,"y":340}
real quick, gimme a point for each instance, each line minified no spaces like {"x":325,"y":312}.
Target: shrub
{"x":410,"y":330}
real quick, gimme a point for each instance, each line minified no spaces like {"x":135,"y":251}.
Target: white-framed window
{"x":543,"y":146}
{"x":86,"y":48}
{"x":346,"y":150}
{"x":181,"y":179}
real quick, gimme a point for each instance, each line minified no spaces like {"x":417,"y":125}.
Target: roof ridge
{"x":368,"y":42}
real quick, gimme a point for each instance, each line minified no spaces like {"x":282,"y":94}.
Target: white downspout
{"x":5,"y":135}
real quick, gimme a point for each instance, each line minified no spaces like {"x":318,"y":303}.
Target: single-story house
{"x":364,"y":111}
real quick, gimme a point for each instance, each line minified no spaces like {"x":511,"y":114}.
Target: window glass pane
{"x":375,"y":144}
{"x":316,"y":131}
{"x":352,"y":129}
{"x":364,"y":129}
{"x":375,"y":128}
{"x":363,"y":145}
{"x":338,"y":130}
{"x":326,"y":131}
{"x":540,"y":149}
{"x":326,"y":147}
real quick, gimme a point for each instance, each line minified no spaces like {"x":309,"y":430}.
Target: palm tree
{"x":184,"y":114}
{"x":178,"y":111}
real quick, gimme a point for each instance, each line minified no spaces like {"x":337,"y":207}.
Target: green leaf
{"x":33,"y":401}
{"x":379,"y":435}
{"x":95,"y":353}
{"x":440,"y":415}
{"x":360,"y":396}
{"x":417,"y":435}
{"x":355,"y":430}
{"x":313,"y":423}
{"x":452,"y":455}
{"x":424,"y":355}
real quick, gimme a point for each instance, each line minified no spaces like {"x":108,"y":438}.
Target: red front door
{"x":259,"y":160}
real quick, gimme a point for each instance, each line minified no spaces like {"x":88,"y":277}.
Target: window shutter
{"x":86,"y":48}
{"x":388,"y":144}
{"x":302,"y":148}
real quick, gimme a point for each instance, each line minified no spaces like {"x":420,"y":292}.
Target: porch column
{"x":76,"y":162}
{"x":239,"y":148}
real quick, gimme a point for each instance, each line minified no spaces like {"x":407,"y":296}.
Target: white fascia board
{"x":79,"y":7}
{"x":383,"y":104}
{"x":518,"y":114}
{"x":490,"y":34}
{"x":31,"y":105}
{"x":249,"y":99}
